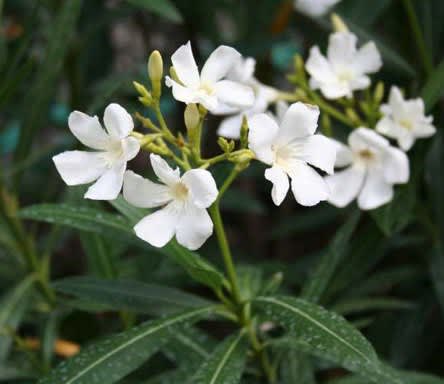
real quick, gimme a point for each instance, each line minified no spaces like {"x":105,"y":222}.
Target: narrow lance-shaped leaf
{"x":12,"y":308}
{"x":129,"y":295}
{"x":225,"y":365}
{"x":109,"y":360}
{"x":318,"y":282}
{"x":314,"y":330}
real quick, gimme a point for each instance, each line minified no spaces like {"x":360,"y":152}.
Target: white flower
{"x":404,"y":120}
{"x":289,"y":148}
{"x":243,"y":72}
{"x":373,"y":167}
{"x":184,"y":200}
{"x":314,"y":8}
{"x":114,"y":148}
{"x":209,"y":88}
{"x":345,"y":68}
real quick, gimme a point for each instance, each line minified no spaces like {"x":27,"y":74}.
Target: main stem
{"x":225,"y":250}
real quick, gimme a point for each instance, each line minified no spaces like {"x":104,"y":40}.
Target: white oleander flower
{"x":373,"y":167}
{"x":209,"y":88}
{"x":345,"y":68}
{"x":404,"y":120}
{"x":315,"y":8}
{"x":289,"y":148}
{"x":243,"y":72}
{"x":114,"y":148}
{"x":184,"y":201}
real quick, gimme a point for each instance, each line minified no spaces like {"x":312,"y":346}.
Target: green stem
{"x":225,"y":250}
{"x":418,"y":36}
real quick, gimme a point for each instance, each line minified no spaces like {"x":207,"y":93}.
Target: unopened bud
{"x":353,"y":116}
{"x":155,"y":72}
{"x":378,"y":95}
{"x":174,"y":76}
{"x":338,"y":23}
{"x":244,"y":133}
{"x":191,"y":117}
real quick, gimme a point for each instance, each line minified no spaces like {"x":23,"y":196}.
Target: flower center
{"x":206,"y":88}
{"x":180,"y":191}
{"x":406,"y":124}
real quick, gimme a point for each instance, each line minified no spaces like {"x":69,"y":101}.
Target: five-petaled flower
{"x":243,"y":72}
{"x":289,"y":148}
{"x":314,"y":8}
{"x":345,"y":68}
{"x":209,"y":88}
{"x":184,"y":201}
{"x":114,"y":148}
{"x":404,"y":120}
{"x":373,"y":167}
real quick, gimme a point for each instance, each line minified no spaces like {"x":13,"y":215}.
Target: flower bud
{"x":155,"y":72}
{"x":378,"y":94}
{"x":338,"y":23}
{"x":191,"y":117}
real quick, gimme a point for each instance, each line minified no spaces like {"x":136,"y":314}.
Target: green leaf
{"x":348,"y":306}
{"x":318,"y":282}
{"x":314,"y":330}
{"x":225,"y":365}
{"x":126,"y":295}
{"x":12,"y":308}
{"x":396,"y":215}
{"x":433,"y":89}
{"x":107,"y":361}
{"x":39,"y":95}
{"x":164,"y":8}
{"x":197,"y":267}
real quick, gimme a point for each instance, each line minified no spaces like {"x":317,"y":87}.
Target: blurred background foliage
{"x":385,"y":268}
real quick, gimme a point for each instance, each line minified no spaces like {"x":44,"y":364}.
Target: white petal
{"x":201,"y":186}
{"x":320,"y":151}
{"x":280,"y":184}
{"x":368,"y":59}
{"x":308,"y":187}
{"x":158,"y":228}
{"x":118,"y":122}
{"x":261,"y":134}
{"x":109,"y":185}
{"x":300,"y":120}
{"x":396,"y":166}
{"x":79,"y":167}
{"x":130,"y":147}
{"x":88,"y":130}
{"x":143,"y":193}
{"x":345,"y":185}
{"x":424,"y":130}
{"x":181,"y":93}
{"x":362,"y":138}
{"x":230,"y":127}
{"x":235,"y":94}
{"x":375,"y":191}
{"x":185,"y":66}
{"x":344,"y":156}
{"x":163,"y":171}
{"x":387,"y":127}
{"x":341,"y":49}
{"x":219,"y":64}
{"x":194,"y":228}
{"x":318,"y":66}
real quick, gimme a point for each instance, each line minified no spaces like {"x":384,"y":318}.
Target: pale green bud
{"x":338,"y":23}
{"x":191,"y":117}
{"x":378,"y":94}
{"x":155,"y":72}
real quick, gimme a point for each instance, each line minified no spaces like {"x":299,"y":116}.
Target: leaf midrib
{"x":135,"y":339}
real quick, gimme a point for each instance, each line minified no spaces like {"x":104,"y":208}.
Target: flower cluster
{"x":296,"y":155}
